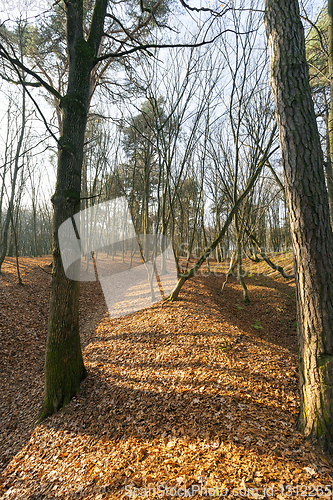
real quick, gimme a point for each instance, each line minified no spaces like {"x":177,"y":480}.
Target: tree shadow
{"x":23,"y":339}
{"x":144,"y":394}
{"x":271,"y":314}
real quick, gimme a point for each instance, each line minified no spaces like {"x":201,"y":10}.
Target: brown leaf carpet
{"x":201,"y":393}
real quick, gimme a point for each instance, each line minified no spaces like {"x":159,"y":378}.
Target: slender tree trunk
{"x":4,"y":171}
{"x":239,"y":238}
{"x":309,"y":216}
{"x":34,"y":227}
{"x":19,"y":279}
{"x":64,"y":368}
{"x":232,"y":265}
{"x":5,"y":229}
{"x":264,"y":256}
{"x":189,"y":274}
{"x":329,"y":139}
{"x":163,"y":248}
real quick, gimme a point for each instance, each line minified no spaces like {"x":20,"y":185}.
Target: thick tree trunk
{"x":329,"y":166}
{"x":309,"y":216}
{"x":64,"y":368}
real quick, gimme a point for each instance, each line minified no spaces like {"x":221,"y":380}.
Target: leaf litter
{"x":183,"y":395}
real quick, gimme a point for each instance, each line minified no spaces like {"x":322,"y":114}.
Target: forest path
{"x":199,"y":393}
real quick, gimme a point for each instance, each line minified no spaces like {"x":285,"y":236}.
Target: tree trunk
{"x":329,"y":166}
{"x":328,"y":115}
{"x":309,"y":216}
{"x":34,"y":228}
{"x":189,"y":274}
{"x":19,"y":279}
{"x":5,"y":229}
{"x":64,"y":368}
{"x":239,"y":239}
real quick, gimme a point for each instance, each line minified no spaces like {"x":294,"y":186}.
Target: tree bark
{"x":64,"y":367}
{"x":309,"y":216}
{"x":329,"y":168}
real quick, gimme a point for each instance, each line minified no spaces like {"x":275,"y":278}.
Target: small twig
{"x":47,"y":272}
{"x":91,"y":197}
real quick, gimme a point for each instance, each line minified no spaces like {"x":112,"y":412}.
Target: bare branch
{"x":16,"y":63}
{"x":166,"y":46}
{"x":205,"y":9}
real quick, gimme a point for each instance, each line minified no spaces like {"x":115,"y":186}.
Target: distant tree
{"x":140,"y":146}
{"x":317,"y":51}
{"x":320,"y":61}
{"x":15,"y":162}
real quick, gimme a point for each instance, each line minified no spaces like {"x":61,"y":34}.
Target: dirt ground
{"x":195,"y":396}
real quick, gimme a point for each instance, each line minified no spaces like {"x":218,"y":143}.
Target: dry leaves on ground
{"x":201,"y":393}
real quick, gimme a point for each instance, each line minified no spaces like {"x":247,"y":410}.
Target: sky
{"x":29,"y":9}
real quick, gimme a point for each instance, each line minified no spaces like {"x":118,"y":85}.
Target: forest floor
{"x":199,"y":394}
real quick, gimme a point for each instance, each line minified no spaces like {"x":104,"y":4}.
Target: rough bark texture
{"x":329,"y":168}
{"x":309,"y":216}
{"x":64,"y":368}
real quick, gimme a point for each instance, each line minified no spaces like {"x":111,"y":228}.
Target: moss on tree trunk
{"x":64,"y":368}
